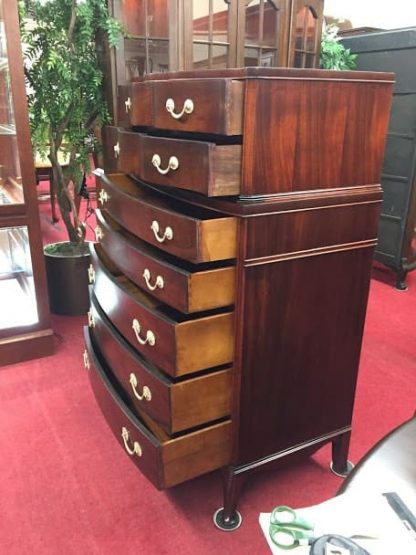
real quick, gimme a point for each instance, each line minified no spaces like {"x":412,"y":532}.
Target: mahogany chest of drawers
{"x":238,"y":216}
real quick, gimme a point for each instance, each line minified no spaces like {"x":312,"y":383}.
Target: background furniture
{"x":395,"y":51}
{"x":238,"y":217}
{"x":24,"y":321}
{"x":171,"y":35}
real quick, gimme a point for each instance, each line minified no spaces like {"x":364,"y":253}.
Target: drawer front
{"x":204,"y":105}
{"x":138,"y":104}
{"x":184,"y":289}
{"x":165,"y":462}
{"x":122,"y":150}
{"x":214,"y":170}
{"x":178,"y":347}
{"x":175,"y":406}
{"x":191,"y":235}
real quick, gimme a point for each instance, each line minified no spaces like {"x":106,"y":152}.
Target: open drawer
{"x":164,"y":461}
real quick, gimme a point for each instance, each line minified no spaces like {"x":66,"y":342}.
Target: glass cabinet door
{"x":146,"y":44}
{"x":11,"y":191}
{"x":264,"y":32}
{"x":214,"y":27}
{"x":17,"y":290}
{"x":306,"y":28}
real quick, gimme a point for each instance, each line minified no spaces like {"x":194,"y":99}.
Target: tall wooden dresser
{"x":238,"y":217}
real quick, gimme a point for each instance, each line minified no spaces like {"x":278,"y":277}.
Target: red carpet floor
{"x":68,"y":488}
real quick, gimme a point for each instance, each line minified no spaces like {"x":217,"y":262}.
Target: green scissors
{"x":288,"y":530}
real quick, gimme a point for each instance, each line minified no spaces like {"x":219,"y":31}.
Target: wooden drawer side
{"x":164,"y":462}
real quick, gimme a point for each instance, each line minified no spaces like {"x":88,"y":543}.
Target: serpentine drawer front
{"x":176,"y":406}
{"x":197,"y":235}
{"x":208,"y":106}
{"x":163,"y":460}
{"x":174,"y":342}
{"x":182,"y":285}
{"x":206,"y":167}
{"x":237,"y":219}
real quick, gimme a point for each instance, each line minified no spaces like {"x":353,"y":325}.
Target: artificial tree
{"x":334,"y":55}
{"x":65,"y":91}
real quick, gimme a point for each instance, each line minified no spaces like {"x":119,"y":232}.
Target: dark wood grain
{"x":176,"y":406}
{"x":141,"y":111}
{"x":182,"y":346}
{"x":314,"y":134}
{"x":196,"y":233}
{"x":224,"y":116}
{"x":214,"y":170}
{"x":183,"y":286}
{"x":166,"y":463}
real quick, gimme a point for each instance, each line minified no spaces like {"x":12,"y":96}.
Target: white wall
{"x":385,"y":14}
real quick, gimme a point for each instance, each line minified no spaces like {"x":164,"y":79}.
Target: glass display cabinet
{"x":24,"y":316}
{"x":172,"y":35}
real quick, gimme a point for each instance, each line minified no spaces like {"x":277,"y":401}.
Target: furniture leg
{"x":401,"y":279}
{"x":227,"y":518}
{"x":340,"y":465}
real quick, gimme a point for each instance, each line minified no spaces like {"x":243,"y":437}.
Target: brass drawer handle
{"x":146,"y":393}
{"x":103,"y":196}
{"x":167,"y":235}
{"x":91,"y":319}
{"x":117,"y":150}
{"x":91,"y":274}
{"x":86,"y":360}
{"x":188,"y":108}
{"x":158,"y":283}
{"x":98,"y":233}
{"x":137,"y":450}
{"x":173,"y":164}
{"x":150,"y":336}
{"x":127,"y":104}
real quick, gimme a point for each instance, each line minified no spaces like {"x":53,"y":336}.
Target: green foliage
{"x":65,"y":87}
{"x":333,"y":54}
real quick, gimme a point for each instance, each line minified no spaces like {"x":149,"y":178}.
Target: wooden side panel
{"x":201,"y":399}
{"x":301,"y":230}
{"x":217,"y":239}
{"x":204,"y":343}
{"x":196,"y":454}
{"x":306,"y":276}
{"x":314,"y":134}
{"x":303,"y":324}
{"x":213,"y":288}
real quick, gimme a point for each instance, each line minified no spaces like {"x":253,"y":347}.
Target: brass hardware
{"x":146,"y":393}
{"x":137,"y":450}
{"x":98,"y":233}
{"x":99,"y":172}
{"x":188,"y":108}
{"x":103,"y":196}
{"x":167,"y":235}
{"x":158,"y":283}
{"x":91,"y":319}
{"x":127,"y":104}
{"x":86,"y":360}
{"x":117,"y":150}
{"x":91,"y":274}
{"x":173,"y":164}
{"x":150,"y":336}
